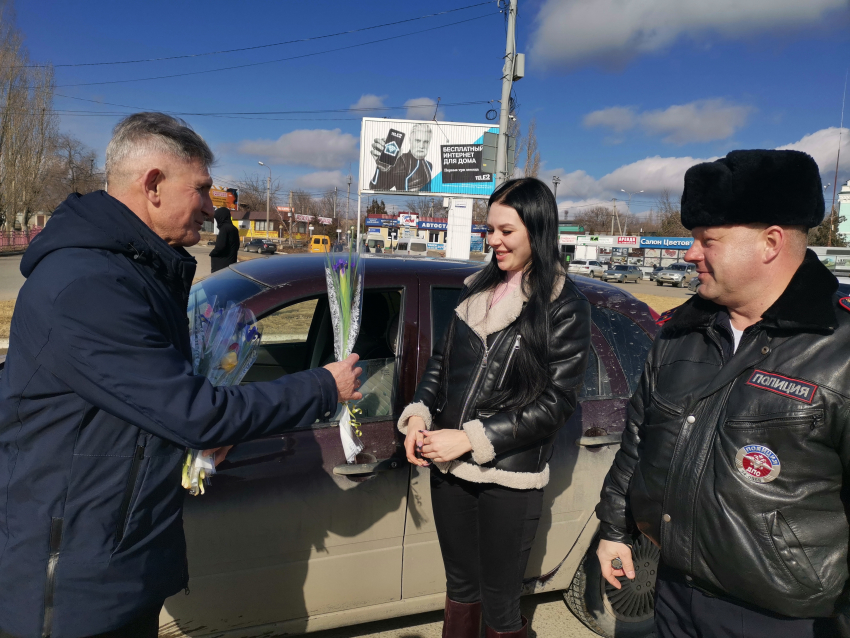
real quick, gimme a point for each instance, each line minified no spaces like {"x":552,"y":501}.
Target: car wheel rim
{"x":634,"y":602}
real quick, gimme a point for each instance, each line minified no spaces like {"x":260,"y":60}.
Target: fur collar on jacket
{"x":475,"y":311}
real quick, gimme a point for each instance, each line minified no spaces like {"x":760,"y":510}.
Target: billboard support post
{"x":359,"y":200}
{"x":507,"y":83}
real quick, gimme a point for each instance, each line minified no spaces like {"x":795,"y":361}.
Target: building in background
{"x":844,"y":211}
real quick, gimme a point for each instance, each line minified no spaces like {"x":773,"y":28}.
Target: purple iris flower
{"x":340,"y":266}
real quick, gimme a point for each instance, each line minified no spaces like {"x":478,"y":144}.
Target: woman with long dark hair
{"x":497,"y":388}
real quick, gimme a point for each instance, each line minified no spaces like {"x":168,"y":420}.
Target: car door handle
{"x":608,"y":439}
{"x":382,"y":465}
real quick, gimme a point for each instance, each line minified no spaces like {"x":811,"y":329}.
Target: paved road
{"x":549,"y":616}
{"x":646,"y":287}
{"x":11,"y":278}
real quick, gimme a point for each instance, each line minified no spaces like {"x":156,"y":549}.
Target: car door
{"x":286,"y":532}
{"x":578,"y":465}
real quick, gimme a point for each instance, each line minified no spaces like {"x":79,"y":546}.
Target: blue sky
{"x":626,"y":93}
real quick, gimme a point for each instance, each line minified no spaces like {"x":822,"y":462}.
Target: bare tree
{"x":532,"y":155}
{"x":27,"y":125}
{"x":71,"y":168}
{"x":595,"y":219}
{"x":426,"y":207}
{"x":479,"y":210}
{"x":670,"y":217}
{"x":252,"y":192}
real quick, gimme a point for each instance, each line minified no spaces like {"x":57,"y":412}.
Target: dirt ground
{"x":660,"y":304}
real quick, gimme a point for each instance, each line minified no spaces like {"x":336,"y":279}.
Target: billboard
{"x":224,"y":198}
{"x":416,"y":157}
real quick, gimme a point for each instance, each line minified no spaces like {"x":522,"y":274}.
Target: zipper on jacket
{"x":124,"y":510}
{"x":473,"y":388}
{"x":508,"y":362}
{"x":49,"y":584}
{"x":811,"y":419}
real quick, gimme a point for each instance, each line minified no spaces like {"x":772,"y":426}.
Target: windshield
{"x":677,"y":267}
{"x":621,"y":267}
{"x":226,"y":286}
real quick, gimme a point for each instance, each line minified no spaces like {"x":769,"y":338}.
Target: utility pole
{"x":347,"y":205}
{"x":335,"y":203}
{"x":837,"y":157}
{"x":268,"y":197}
{"x":555,"y":181}
{"x":507,"y":83}
{"x":629,"y":214}
{"x":290,"y":220}
{"x":613,"y":214}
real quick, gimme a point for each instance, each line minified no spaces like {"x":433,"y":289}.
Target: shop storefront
{"x":432,"y":230}
{"x":630,"y":249}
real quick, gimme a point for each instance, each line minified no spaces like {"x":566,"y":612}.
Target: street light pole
{"x":622,"y":190}
{"x":268,"y":197}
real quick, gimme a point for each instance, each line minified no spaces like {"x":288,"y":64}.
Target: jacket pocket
{"x":791,"y":551}
{"x":810,"y":418}
{"x":508,"y":361}
{"x":129,"y":489}
{"x":665,"y":406}
{"x":49,"y":583}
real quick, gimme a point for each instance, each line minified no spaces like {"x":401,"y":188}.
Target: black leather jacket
{"x":517,"y":444}
{"x":737,"y":466}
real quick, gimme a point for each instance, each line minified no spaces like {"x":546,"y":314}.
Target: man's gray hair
{"x":143,"y":134}
{"x":423,"y":127}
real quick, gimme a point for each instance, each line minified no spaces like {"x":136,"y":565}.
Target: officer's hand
{"x":608,"y":551}
{"x":346,"y":377}
{"x":376,"y":150}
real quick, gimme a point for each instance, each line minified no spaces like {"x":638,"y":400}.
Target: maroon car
{"x":291,"y":539}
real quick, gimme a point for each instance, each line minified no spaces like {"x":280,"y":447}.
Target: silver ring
{"x":617,"y":563}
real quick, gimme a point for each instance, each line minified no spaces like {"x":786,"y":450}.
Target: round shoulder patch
{"x":844,"y":302}
{"x":665,"y":316}
{"x":757,"y":463}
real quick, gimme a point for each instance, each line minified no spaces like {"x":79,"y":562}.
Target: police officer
{"x":736,"y":456}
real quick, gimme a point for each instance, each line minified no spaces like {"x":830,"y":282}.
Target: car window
{"x":298,"y":336}
{"x":621,"y":268}
{"x":579,"y":262}
{"x":443,"y":304}
{"x":418,"y":248}
{"x":596,"y":381}
{"x":629,"y":342}
{"x":677,"y":267}
{"x":402,"y":245}
{"x":324,"y":242}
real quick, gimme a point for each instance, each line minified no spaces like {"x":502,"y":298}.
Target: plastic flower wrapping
{"x":344,"y":276}
{"x":224,"y":346}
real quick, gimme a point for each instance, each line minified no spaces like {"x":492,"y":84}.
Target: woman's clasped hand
{"x":423,"y":446}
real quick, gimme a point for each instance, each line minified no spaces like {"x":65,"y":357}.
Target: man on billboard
{"x":399,"y":171}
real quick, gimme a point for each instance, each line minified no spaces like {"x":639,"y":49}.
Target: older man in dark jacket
{"x":226,"y":242}
{"x":736,"y":456}
{"x":98,"y":401}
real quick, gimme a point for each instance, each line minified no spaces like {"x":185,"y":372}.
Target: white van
{"x":411,"y":247}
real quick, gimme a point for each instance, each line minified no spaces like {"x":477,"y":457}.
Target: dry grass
{"x":6,"y":310}
{"x":660,"y":304}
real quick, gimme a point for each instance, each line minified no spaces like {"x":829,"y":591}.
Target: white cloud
{"x":617,"y":118}
{"x":823,"y":146}
{"x":654,"y":175}
{"x":422,"y":108}
{"x":368,"y":102}
{"x":320,"y":148}
{"x":699,"y":121}
{"x":326,"y":180}
{"x":572,"y":32}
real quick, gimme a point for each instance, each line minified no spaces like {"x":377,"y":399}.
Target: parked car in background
{"x":655,"y":270}
{"x":289,"y":538}
{"x":622,"y":274}
{"x":319,"y":244}
{"x":261,"y":246}
{"x":677,"y":275}
{"x":694,"y":284}
{"x":645,"y":271}
{"x":411,"y":247}
{"x":588,"y":268}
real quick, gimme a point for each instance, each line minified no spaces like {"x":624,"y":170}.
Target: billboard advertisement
{"x":224,"y":198}
{"x":424,"y":157}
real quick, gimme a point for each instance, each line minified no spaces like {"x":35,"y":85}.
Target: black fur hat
{"x":745,"y":187}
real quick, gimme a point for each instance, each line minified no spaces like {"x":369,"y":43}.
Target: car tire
{"x":658,"y":283}
{"x":679,"y":284}
{"x":625,"y":613}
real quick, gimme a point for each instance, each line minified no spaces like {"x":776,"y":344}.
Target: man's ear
{"x":152,"y":185}
{"x":775,"y":241}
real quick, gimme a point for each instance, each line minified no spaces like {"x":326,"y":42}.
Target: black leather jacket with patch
{"x":738,"y":466}
{"x":510,"y":447}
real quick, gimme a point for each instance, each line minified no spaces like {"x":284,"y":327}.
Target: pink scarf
{"x":511,"y":283}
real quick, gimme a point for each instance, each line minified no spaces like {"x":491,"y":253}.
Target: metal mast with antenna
{"x":837,"y":157}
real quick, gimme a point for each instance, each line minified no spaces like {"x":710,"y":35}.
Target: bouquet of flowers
{"x":224,"y":346}
{"x":344,"y":276}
